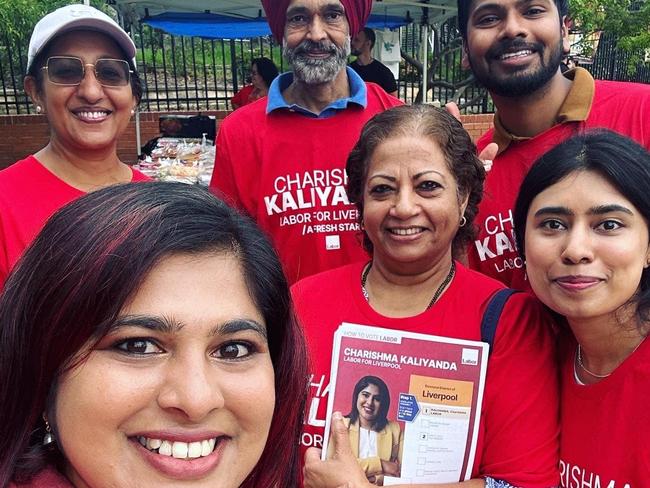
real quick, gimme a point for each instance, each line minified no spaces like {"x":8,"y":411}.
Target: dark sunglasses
{"x":69,"y":71}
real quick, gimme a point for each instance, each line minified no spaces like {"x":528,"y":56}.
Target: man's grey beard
{"x":317,"y":71}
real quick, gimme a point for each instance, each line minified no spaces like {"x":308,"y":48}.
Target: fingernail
{"x":337,"y":416}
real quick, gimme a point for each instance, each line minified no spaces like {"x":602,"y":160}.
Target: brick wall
{"x":477,"y":125}
{"x":21,"y":135}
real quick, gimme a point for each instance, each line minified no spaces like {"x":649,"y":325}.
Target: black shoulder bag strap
{"x":492,"y":314}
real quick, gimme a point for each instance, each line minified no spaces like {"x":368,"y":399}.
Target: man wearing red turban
{"x":282,"y":158}
{"x":356,"y":11}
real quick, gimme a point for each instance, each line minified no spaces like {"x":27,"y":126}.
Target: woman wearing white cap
{"x":81,"y":75}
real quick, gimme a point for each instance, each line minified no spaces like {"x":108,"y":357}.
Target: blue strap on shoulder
{"x":492,"y":315}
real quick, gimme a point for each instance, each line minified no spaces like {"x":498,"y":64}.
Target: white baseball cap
{"x":72,"y":17}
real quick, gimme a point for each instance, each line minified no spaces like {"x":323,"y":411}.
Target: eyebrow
{"x":415,"y":176}
{"x":485,"y":6}
{"x":239,"y":325}
{"x":150,"y":322}
{"x":597,"y":210}
{"x":493,"y":5}
{"x":301,"y":9}
{"x":169,"y":326}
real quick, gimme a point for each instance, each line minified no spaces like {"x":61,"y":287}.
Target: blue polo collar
{"x":358,"y":96}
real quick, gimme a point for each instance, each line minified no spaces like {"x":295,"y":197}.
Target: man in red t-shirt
{"x":515,"y":50}
{"x":282,"y":159}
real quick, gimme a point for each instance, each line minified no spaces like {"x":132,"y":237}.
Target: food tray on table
{"x":187,"y":160}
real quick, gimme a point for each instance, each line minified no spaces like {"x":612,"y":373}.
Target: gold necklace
{"x":601,"y":376}
{"x":436,"y":295}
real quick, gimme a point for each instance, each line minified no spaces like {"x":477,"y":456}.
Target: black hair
{"x":384,"y":401}
{"x":370,"y":35}
{"x":266,"y":69}
{"x":620,"y":160}
{"x":71,"y":284}
{"x":464,"y":7}
{"x":428,"y":122}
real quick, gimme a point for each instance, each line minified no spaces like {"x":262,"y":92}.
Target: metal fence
{"x":13,"y":60}
{"x":194,"y":74}
{"x":189,"y":73}
{"x":447,"y":81}
{"x":183,"y":73}
{"x":611,"y":63}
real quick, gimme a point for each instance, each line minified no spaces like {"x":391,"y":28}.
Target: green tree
{"x":18,"y":17}
{"x":627,"y":20}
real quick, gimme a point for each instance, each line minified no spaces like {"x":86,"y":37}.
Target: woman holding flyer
{"x":416,"y":182}
{"x":581,"y":220}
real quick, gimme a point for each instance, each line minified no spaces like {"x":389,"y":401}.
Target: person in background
{"x":515,"y":50}
{"x":369,"y":68}
{"x":147,"y":339}
{"x":263,"y":72}
{"x":581,"y":221}
{"x":282,"y":161}
{"x":81,"y":75}
{"x":417,"y":182}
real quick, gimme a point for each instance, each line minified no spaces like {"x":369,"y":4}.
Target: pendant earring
{"x":39,"y":109}
{"x":48,"y":438}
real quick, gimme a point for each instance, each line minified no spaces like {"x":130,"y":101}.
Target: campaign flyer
{"x":411,"y":402}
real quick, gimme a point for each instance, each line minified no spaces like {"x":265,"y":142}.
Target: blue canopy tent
{"x":386,"y":13}
{"x":209,"y":26}
{"x":215,"y":26}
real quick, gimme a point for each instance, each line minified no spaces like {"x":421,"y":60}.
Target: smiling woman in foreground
{"x":147,"y":339}
{"x":581,"y":222}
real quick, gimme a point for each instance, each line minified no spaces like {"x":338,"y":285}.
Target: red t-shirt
{"x":47,"y":478}
{"x":606,"y":426}
{"x":621,"y":107}
{"x":287,"y":171}
{"x":243,"y":96}
{"x":518,"y":431}
{"x":29,"y":195}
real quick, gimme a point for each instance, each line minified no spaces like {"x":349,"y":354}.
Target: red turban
{"x":357,"y":12}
